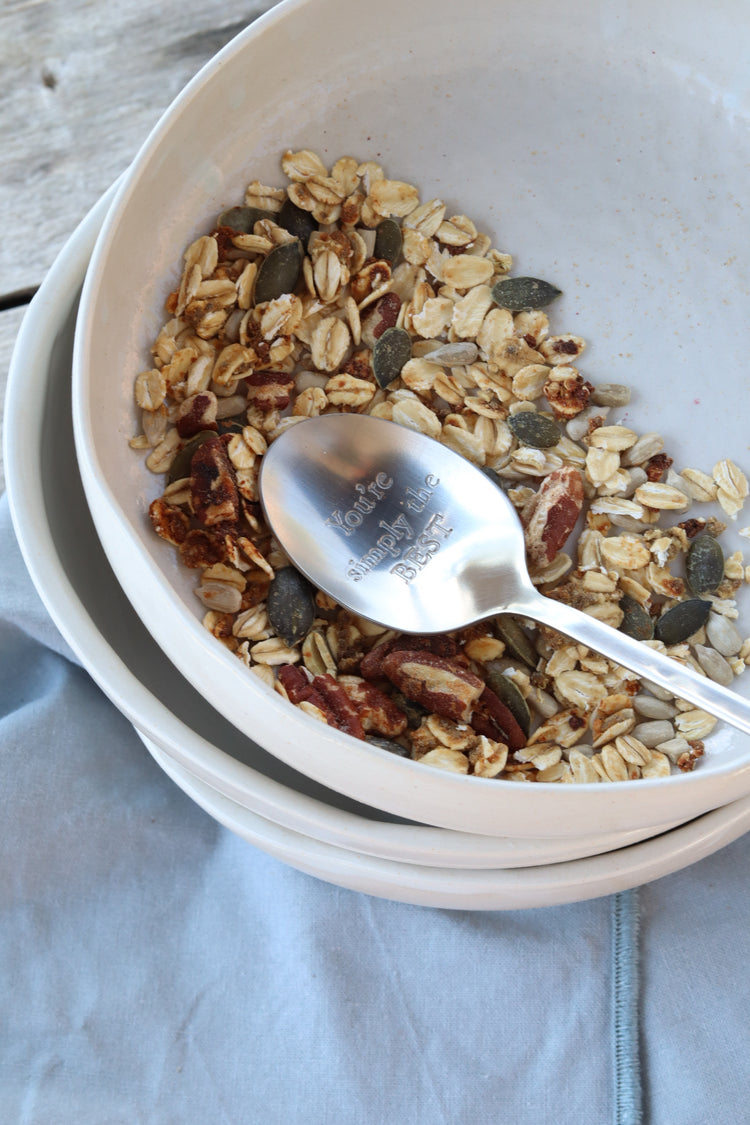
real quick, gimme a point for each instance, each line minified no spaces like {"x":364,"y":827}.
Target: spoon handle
{"x":646,"y":662}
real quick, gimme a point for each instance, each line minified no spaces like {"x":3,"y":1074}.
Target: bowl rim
{"x":388,"y":776}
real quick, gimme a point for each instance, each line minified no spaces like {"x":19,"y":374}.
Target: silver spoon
{"x":406,"y":533}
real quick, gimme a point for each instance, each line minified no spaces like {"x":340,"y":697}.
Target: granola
{"x":281,"y":314}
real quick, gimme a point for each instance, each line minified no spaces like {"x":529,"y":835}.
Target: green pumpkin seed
{"x":515,"y":640}
{"x":392,"y":350}
{"x":508,"y":693}
{"x":414,"y":713}
{"x":279,"y":272}
{"x":242,"y":219}
{"x":704,"y":565}
{"x":534,"y":429}
{"x":298,"y":222}
{"x":521,"y":294}
{"x":637,"y":622}
{"x":388,"y":240}
{"x":290,"y":605}
{"x":180,"y":466}
{"x":389,"y":745}
{"x":682,"y":620}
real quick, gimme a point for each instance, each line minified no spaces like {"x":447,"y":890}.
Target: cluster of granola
{"x":344,"y":292}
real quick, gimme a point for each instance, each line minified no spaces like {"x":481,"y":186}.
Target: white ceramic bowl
{"x":603,"y":146}
{"x":272,"y":802}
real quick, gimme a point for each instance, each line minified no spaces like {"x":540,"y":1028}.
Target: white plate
{"x":603,"y":144}
{"x":67,"y":564}
{"x":549,"y":885}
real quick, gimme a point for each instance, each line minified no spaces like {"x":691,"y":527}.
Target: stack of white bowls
{"x":600,"y":143}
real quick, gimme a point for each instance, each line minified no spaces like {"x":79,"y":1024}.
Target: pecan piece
{"x":269,"y":390}
{"x":551,"y":514}
{"x":197,"y":413}
{"x":377,"y":711}
{"x":383,"y":314}
{"x":371,"y":666}
{"x":213,"y":489}
{"x":658,"y":465}
{"x":437,"y":683}
{"x":338,"y":708}
{"x":169,"y":522}
{"x":495,"y":721}
{"x":325,"y":694}
{"x":202,"y":548}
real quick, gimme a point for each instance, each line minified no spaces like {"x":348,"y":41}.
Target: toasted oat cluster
{"x":344,"y":291}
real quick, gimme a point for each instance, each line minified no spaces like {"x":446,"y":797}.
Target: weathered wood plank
{"x":83,"y":84}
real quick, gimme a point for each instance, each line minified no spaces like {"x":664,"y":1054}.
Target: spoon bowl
{"x":404,"y":532}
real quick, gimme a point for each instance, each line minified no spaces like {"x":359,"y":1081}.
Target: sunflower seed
{"x":682,"y":620}
{"x":279,"y":272}
{"x":704,"y":565}
{"x":653,"y":733}
{"x":723,"y":635}
{"x":520,"y":294}
{"x":714,"y":665}
{"x":454,"y":355}
{"x":651,"y":708}
{"x":392,"y":350}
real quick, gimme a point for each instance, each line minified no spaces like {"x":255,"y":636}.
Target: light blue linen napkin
{"x":155,"y":968}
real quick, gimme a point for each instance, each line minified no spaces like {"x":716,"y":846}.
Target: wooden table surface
{"x":83,"y":82}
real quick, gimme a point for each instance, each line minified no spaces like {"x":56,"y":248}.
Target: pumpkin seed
{"x":521,"y":294}
{"x":290,"y":605}
{"x":516,"y":642}
{"x":180,"y":466}
{"x":389,"y":745}
{"x":392,"y":350}
{"x":414,"y":713}
{"x":682,"y":620}
{"x":704,"y":565}
{"x":242,"y":219}
{"x":298,"y":222}
{"x":388,"y":240}
{"x":536,"y":430}
{"x":636,"y":622}
{"x":279,"y":272}
{"x":508,"y":693}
